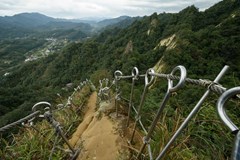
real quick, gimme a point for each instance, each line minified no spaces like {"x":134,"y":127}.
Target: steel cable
{"x":28,"y":117}
{"x":215,"y":87}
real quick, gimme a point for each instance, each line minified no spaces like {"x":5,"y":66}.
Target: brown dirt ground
{"x":98,"y":135}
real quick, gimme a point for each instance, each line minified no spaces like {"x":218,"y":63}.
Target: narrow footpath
{"x":100,"y":135}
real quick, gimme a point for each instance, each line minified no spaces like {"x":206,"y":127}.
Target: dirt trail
{"x":86,"y":120}
{"x":98,"y":135}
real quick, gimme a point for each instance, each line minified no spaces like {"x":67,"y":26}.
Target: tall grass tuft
{"x":36,"y":142}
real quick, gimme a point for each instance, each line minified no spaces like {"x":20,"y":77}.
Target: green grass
{"x":205,"y":137}
{"x":31,"y":144}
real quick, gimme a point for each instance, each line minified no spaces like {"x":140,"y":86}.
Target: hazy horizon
{"x":79,"y":9}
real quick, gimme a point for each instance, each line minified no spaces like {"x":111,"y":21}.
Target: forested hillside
{"x":203,"y":42}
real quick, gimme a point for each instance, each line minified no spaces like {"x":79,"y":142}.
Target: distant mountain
{"x":30,"y":24}
{"x":112,"y":21}
{"x":35,"y":20}
{"x":56,"y":25}
{"x":25,"y":20}
{"x":124,"y":23}
{"x":26,"y":24}
{"x":89,"y":20}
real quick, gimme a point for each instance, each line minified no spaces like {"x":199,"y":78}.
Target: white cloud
{"x":97,"y":8}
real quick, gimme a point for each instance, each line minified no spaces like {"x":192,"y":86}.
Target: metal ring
{"x":117,"y":75}
{"x":135,"y":73}
{"x":147,"y":82}
{"x":34,"y":108}
{"x":221,"y":109}
{"x":181,"y":82}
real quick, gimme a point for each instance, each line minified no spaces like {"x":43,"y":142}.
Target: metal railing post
{"x":117,"y":77}
{"x":190,"y":116}
{"x":56,"y":125}
{"x":135,"y":75}
{"x":147,"y":84}
{"x":163,"y":104}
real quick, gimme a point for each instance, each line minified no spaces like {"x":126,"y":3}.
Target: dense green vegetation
{"x":37,"y":142}
{"x":203,"y":42}
{"x":13,"y":51}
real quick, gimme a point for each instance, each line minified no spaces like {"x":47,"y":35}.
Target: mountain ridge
{"x":26,"y":24}
{"x":202,"y":43}
{"x":26,"y":20}
{"x":38,"y":19}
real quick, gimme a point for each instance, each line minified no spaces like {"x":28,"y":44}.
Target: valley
{"x":30,"y":36}
{"x":13,"y":53}
{"x":52,"y":46}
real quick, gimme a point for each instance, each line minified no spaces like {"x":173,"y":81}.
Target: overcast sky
{"x":98,"y":8}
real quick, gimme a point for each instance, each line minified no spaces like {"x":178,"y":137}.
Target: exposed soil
{"x":100,"y":135}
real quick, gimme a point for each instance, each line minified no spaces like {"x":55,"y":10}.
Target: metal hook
{"x":181,"y":82}
{"x":191,"y":114}
{"x":55,"y":124}
{"x":135,"y":73}
{"x":37,"y":105}
{"x":221,"y":108}
{"x":164,"y":102}
{"x":117,"y":75}
{"x":147,"y":82}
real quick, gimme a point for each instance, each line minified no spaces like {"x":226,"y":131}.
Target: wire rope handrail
{"x":211,"y":86}
{"x":45,"y":110}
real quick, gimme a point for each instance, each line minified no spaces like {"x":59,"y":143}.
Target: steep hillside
{"x":38,"y":139}
{"x":216,"y":41}
{"x":203,"y":42}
